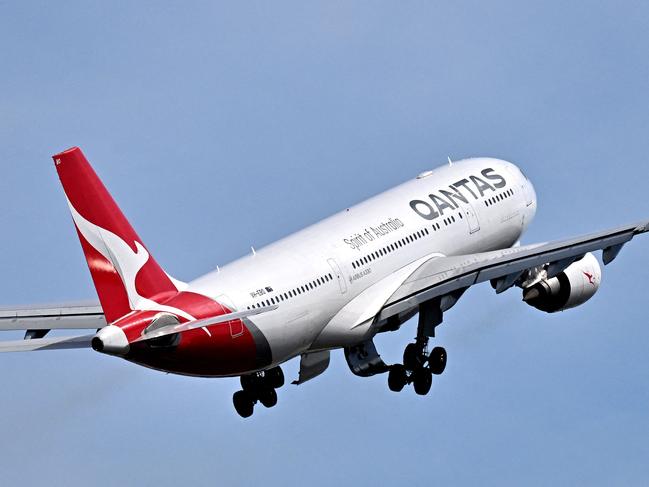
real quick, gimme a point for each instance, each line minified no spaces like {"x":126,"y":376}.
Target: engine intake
{"x":574,"y":286}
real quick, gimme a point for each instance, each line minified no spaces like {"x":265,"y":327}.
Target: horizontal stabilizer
{"x":192,"y":325}
{"x":59,"y":343}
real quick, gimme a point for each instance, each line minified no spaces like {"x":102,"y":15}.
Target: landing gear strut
{"x":258,"y":387}
{"x":418,"y":365}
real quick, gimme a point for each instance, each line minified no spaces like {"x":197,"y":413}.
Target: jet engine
{"x":574,"y":286}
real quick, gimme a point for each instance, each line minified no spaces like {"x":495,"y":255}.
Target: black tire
{"x":243,"y":403}
{"x":249,"y":383}
{"x":422,"y":381}
{"x":411,"y":359}
{"x":274,"y":377}
{"x":397,"y":378}
{"x":437,"y":360}
{"x":268,"y":397}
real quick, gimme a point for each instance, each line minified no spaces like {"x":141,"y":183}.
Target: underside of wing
{"x":448,"y":277}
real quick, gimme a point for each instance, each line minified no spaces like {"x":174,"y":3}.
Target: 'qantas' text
{"x":458,"y":193}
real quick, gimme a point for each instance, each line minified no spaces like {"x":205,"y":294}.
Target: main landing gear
{"x":419,"y":366}
{"x":258,"y":387}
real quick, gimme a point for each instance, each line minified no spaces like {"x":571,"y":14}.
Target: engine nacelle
{"x":574,"y":286}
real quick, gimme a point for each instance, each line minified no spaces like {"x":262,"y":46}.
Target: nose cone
{"x":111,"y":340}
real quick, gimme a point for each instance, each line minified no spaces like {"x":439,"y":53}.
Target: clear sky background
{"x":218,"y":126}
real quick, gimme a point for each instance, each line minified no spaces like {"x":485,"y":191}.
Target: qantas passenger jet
{"x":414,"y":249}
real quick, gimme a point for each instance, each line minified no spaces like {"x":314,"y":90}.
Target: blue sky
{"x":218,"y":126}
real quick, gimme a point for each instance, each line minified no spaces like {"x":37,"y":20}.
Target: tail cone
{"x":110,"y":340}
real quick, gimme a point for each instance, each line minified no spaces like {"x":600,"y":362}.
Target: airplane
{"x":410,"y":251}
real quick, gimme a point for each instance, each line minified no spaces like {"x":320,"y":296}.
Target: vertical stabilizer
{"x":125,"y":274}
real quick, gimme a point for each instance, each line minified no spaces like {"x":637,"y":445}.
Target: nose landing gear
{"x":258,"y":387}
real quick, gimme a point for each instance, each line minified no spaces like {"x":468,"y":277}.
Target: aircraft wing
{"x":76,"y":315}
{"x":440,"y":276}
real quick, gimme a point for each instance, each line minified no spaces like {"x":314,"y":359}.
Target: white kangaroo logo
{"x":126,"y":262}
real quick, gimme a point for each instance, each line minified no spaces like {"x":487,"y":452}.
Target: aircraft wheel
{"x":243,"y":403}
{"x":411,"y":356}
{"x":274,"y":377}
{"x":437,"y":360}
{"x":250,"y":383}
{"x":397,"y":378}
{"x":268,"y":397}
{"x":422,"y":380}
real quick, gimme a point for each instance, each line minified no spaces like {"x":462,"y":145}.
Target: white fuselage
{"x":470,"y":206}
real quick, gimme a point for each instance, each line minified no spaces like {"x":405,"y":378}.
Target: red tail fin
{"x":124,"y":273}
